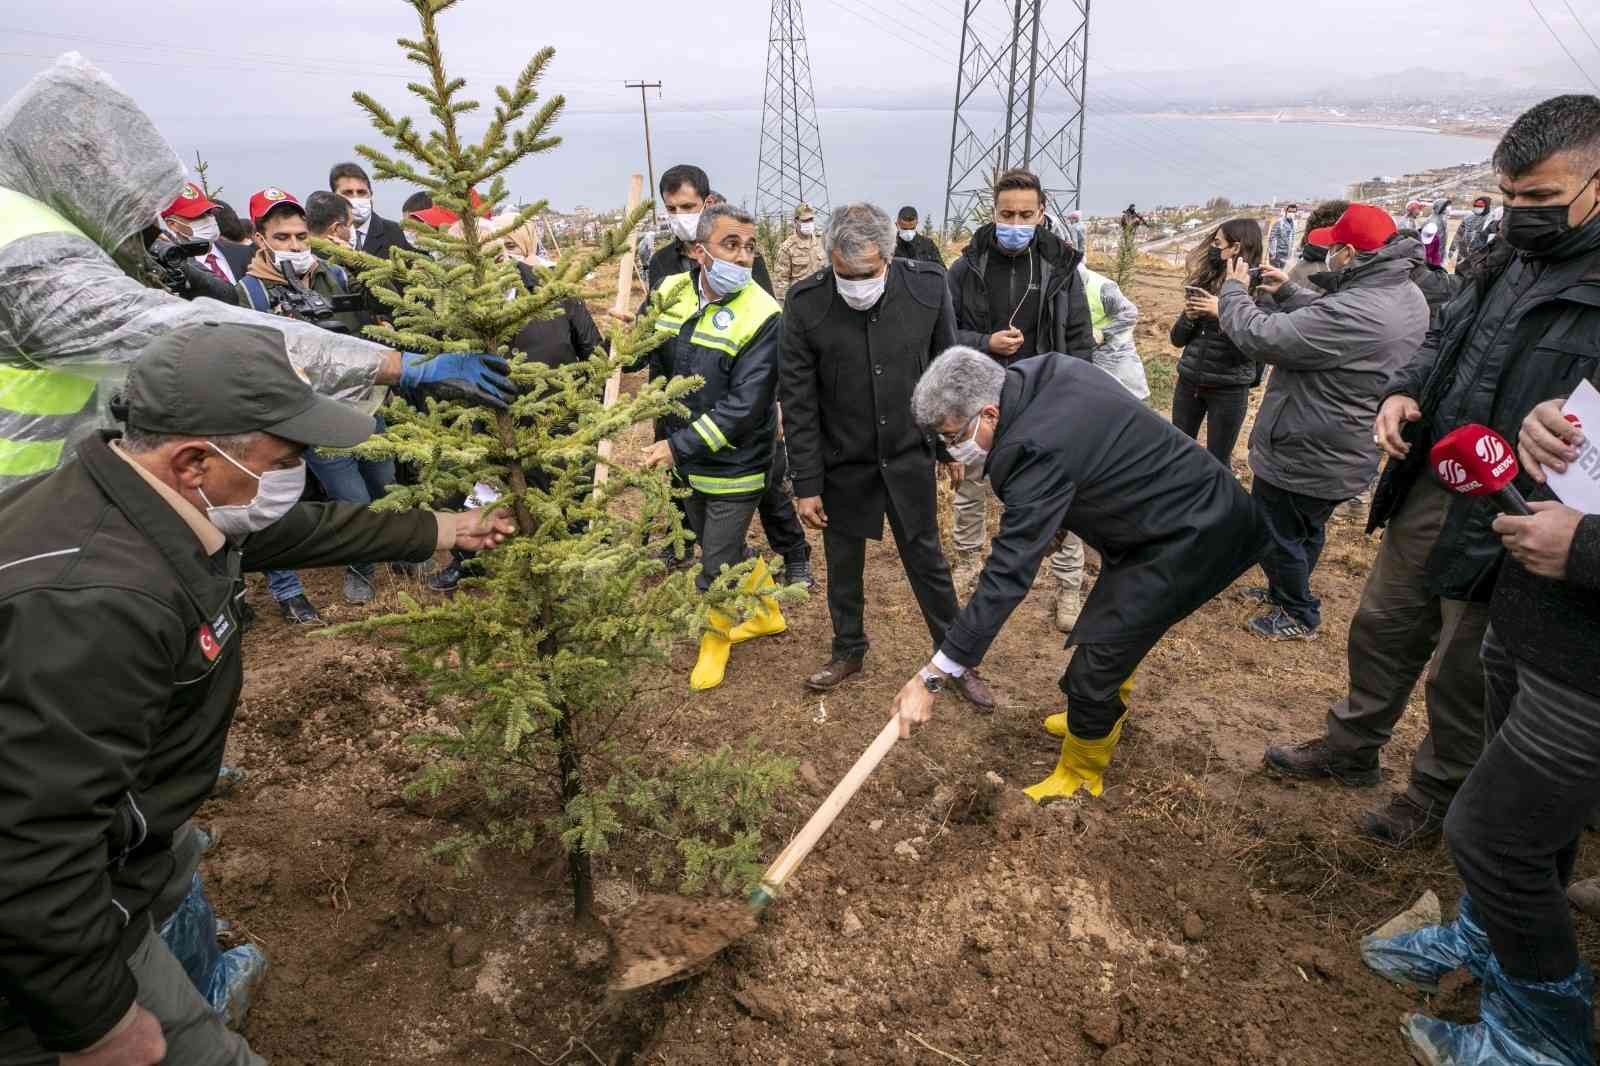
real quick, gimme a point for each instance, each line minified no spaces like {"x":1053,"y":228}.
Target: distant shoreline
{"x":1301,"y":119}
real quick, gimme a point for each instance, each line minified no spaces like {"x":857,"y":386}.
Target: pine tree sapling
{"x":541,"y":659}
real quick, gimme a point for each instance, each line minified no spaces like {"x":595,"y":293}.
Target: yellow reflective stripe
{"x":727,"y":486}
{"x":720,"y":441}
{"x":698,"y":429}
{"x":23,"y":216}
{"x":1093,"y":285}
{"x":43,"y":392}
{"x":669,"y":325}
{"x":26,"y":458}
{"x":717,"y":341}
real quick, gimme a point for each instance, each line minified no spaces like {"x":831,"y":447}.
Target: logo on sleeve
{"x":209,"y":646}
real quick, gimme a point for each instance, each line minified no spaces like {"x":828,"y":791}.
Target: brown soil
{"x":1196,"y":913}
{"x":665,"y":938}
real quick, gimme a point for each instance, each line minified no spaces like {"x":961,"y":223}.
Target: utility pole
{"x":649,"y":162}
{"x":1037,"y":81}
{"x":789,"y":170}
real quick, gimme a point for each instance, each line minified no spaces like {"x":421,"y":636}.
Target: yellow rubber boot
{"x":1056,"y":724}
{"x":714,"y":648}
{"x":767,"y":620}
{"x":1082,"y":765}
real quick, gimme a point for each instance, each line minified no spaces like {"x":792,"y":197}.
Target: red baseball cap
{"x":190,"y":204}
{"x":1362,"y":226}
{"x":264,"y":201}
{"x":443,"y":217}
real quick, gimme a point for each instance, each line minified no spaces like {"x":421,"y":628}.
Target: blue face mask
{"x":1012,"y":238}
{"x":727,"y":278}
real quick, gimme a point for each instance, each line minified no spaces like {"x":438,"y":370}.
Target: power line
{"x":1557,"y":38}
{"x":1581,"y":26}
{"x":649,"y":159}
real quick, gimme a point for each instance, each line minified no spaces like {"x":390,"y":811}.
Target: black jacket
{"x":237,"y":255}
{"x":120,"y":668}
{"x":1209,"y":358}
{"x":1522,"y":332}
{"x":1555,"y":625}
{"x":846,"y":390}
{"x":919,"y":247}
{"x":1439,"y":287}
{"x":672,"y":258}
{"x":569,"y":337}
{"x":1075,"y":450}
{"x":1064,"y":324}
{"x":382,"y":234}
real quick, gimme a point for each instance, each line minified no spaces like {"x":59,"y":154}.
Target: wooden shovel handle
{"x":791,"y":857}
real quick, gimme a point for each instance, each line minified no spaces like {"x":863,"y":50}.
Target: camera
{"x":296,"y":301}
{"x":173,"y":260}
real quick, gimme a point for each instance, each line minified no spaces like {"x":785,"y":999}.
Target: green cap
{"x":219,"y":379}
{"x":804,"y":212}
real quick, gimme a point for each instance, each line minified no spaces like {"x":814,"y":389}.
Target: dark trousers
{"x":778,"y":520}
{"x":1297,"y":525}
{"x":720,"y":524}
{"x":1095,"y":681}
{"x":925,"y":567}
{"x":1400,"y":628}
{"x":1221,"y":408}
{"x":1514,"y":827}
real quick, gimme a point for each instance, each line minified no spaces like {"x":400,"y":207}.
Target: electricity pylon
{"x":790,"y":168}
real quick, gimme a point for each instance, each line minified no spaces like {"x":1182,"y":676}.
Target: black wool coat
{"x":846,"y":386}
{"x":1075,"y":450}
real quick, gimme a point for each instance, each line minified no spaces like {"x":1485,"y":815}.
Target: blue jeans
{"x":347,"y":479}
{"x":1297,"y":524}
{"x":284,"y":585}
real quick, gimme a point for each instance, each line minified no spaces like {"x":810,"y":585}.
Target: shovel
{"x":667,"y":938}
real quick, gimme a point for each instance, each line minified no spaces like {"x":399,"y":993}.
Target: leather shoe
{"x":975,"y":691}
{"x":1313,"y":758}
{"x":1403,"y":823}
{"x":833,"y":675}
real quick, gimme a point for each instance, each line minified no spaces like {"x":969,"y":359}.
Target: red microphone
{"x":1476,"y":461}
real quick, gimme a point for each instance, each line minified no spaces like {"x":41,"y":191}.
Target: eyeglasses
{"x":955,"y":438}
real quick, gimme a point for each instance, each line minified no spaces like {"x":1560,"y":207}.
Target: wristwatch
{"x":931,"y":681}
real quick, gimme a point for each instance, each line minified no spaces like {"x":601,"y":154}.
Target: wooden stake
{"x":624,"y":298}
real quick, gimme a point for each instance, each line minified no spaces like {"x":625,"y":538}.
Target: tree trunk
{"x":578,"y":865}
{"x":506,"y":426}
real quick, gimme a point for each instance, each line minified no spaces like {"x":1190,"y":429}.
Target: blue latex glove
{"x":470,"y":376}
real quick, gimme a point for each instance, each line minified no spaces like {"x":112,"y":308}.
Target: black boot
{"x":797,"y":571}
{"x":1313,"y":758}
{"x":1403,"y":823}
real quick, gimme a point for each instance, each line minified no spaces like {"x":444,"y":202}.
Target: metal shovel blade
{"x":662,"y":939}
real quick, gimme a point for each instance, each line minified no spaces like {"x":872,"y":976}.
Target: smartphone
{"x":1195,"y":289}
{"x":1255,"y":276}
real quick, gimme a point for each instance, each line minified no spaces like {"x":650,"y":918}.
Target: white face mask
{"x":360,"y":209}
{"x":969,"y":451}
{"x":862,"y":293}
{"x":277,"y":492}
{"x":806,"y":228}
{"x":907,"y":235}
{"x":204,"y":228}
{"x":684,"y":224}
{"x":300,"y":262}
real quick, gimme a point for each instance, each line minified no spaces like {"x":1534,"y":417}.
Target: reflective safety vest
{"x":40,"y":410}
{"x":1094,"y":287}
{"x":731,"y":468}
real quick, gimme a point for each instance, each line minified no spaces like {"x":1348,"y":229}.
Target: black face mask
{"x":1541,"y":231}
{"x":1214,"y":256}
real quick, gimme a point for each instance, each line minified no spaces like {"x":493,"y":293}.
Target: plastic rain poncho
{"x":73,"y":140}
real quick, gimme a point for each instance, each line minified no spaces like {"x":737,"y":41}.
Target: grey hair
{"x":137,"y":441}
{"x":958,"y":384}
{"x":708,"y":219}
{"x":856,"y":228}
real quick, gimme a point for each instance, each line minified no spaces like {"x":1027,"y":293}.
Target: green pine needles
{"x":545,"y":658}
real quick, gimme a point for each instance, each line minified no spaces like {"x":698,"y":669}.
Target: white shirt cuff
{"x":947,"y":665}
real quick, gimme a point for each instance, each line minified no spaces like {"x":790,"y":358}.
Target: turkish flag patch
{"x":208,"y":644}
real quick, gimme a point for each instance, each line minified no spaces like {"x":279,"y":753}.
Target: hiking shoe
{"x":358,"y":587}
{"x":1312,"y":758}
{"x":1254,"y":594}
{"x":1585,"y":896}
{"x":298,"y":611}
{"x":965,"y":570}
{"x":797,"y":571}
{"x":446,"y":578}
{"x":1069,"y":604}
{"x":411,"y":571}
{"x":1403,"y":823}
{"x":1278,"y":624}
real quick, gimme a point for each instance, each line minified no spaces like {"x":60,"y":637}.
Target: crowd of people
{"x":838,"y":388}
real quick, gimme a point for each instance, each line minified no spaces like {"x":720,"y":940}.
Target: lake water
{"x":896,"y":157}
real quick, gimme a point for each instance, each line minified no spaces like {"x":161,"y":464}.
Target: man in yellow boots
{"x":1068,"y":449}
{"x":725,"y":330}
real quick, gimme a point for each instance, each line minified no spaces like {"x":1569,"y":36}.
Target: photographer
{"x":1331,"y":354}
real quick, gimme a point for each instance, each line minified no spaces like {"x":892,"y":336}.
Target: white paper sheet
{"x":1579,"y":487}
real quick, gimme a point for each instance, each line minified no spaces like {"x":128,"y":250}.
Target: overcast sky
{"x":300,"y":58}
